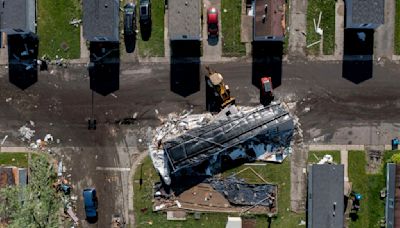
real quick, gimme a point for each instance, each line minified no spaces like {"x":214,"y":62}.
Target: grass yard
{"x":369,"y":186}
{"x":231,"y":45}
{"x":14,"y":159}
{"x":274,"y":173}
{"x":316,"y":156}
{"x":397,"y":29}
{"x":154,"y":47}
{"x":57,"y":36}
{"x":327,"y":7}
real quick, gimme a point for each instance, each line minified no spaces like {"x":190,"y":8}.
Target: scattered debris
{"x":60,"y":169}
{"x":159,"y":207}
{"x":72,"y":215}
{"x":8,"y":99}
{"x":176,"y":215}
{"x":75,"y":22}
{"x":327,"y":159}
{"x":234,"y":222}
{"x":26,"y":133}
{"x":302,"y":223}
{"x":312,"y":44}
{"x":48,"y":138}
{"x":4,"y":139}
{"x":117,"y":221}
{"x":126,"y":121}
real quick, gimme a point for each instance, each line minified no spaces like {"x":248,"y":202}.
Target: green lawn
{"x":327,"y":7}
{"x":316,"y":156}
{"x":369,"y":186}
{"x":231,"y":17}
{"x":274,"y":173}
{"x":57,"y":36}
{"x":14,"y":159}
{"x":154,"y":47}
{"x":397,"y":29}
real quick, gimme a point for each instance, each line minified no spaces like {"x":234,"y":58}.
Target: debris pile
{"x":198,"y":145}
{"x":240,"y":193}
{"x":26,"y":133}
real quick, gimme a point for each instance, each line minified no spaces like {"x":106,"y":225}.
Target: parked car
{"x":90,"y":202}
{"x":145,"y":12}
{"x":212,"y":21}
{"x":129,"y":19}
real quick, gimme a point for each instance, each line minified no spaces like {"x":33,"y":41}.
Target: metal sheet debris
{"x":72,"y":215}
{"x":240,"y":193}
{"x":26,"y":133}
{"x":198,"y":144}
{"x":4,"y":139}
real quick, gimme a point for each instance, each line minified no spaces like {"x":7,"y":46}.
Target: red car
{"x":212,"y":21}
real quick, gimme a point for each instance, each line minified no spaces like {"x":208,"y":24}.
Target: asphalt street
{"x":331,"y":109}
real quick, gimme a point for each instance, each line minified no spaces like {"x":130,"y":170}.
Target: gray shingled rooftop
{"x":326,"y":196}
{"x":367,"y":11}
{"x":18,"y":14}
{"x":101,"y":19}
{"x":184,"y":20}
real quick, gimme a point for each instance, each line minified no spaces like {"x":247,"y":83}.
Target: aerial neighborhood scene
{"x":200,"y":113}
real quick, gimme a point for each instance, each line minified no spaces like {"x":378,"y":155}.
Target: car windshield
{"x":143,"y":10}
{"x":128,"y":10}
{"x":213,"y":26}
{"x":267,"y":87}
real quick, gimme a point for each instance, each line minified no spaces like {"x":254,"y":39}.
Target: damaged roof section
{"x":240,"y":193}
{"x":231,"y":136}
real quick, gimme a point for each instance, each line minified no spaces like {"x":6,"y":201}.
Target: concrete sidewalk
{"x":298,"y":28}
{"x":384,"y":34}
{"x":339,"y":29}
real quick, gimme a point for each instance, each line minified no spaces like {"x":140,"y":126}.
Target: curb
{"x":341,"y":147}
{"x":15,"y":149}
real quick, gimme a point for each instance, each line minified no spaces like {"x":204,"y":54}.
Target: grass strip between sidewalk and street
{"x":154,"y":47}
{"x":327,"y":24}
{"x":56,"y":35}
{"x":231,"y":22}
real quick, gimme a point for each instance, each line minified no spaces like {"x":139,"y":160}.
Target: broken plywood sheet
{"x":204,"y":198}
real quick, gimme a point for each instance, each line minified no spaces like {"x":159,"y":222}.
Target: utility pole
{"x":92,"y":120}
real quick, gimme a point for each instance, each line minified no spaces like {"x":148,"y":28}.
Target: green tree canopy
{"x":35,"y":205}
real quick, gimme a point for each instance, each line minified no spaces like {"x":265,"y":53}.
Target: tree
{"x":36,"y":205}
{"x":395,"y":158}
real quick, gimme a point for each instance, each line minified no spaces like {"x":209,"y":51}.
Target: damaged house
{"x":228,"y":139}
{"x":188,"y":150}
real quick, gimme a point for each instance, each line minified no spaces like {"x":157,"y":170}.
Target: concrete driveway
{"x":212,"y":48}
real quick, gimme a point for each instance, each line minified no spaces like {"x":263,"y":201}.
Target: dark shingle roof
{"x":366,"y":11}
{"x":326,"y":196}
{"x":184,"y":19}
{"x":18,"y":14}
{"x":101,"y":19}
